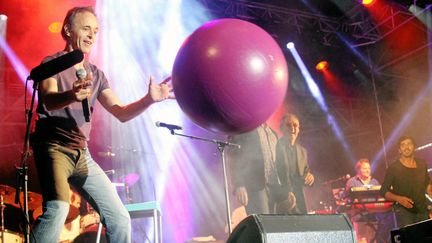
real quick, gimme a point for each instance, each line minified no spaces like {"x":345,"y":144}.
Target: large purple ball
{"x":229,"y":76}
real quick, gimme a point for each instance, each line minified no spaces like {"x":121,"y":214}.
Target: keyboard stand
{"x":145,"y":210}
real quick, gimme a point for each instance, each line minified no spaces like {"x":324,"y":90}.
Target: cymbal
{"x":37,"y":212}
{"x":34,"y":200}
{"x":8,"y":193}
{"x":129,"y":179}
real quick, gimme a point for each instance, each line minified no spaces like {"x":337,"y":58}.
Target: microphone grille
{"x":157,"y":123}
{"x":81,"y":73}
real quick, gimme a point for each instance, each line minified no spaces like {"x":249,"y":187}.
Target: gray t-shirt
{"x":67,"y":126}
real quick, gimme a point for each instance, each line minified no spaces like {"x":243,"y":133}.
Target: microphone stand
{"x":2,"y":228}
{"x":221,"y":147}
{"x":22,"y":171}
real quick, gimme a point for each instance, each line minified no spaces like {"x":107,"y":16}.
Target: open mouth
{"x":88,"y":43}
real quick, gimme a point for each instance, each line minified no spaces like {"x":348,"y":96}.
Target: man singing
{"x":60,"y":138}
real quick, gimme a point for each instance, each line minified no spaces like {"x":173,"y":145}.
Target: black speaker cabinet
{"x":268,"y":228}
{"x":414,"y":233}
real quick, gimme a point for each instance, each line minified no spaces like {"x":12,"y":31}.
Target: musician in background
{"x":406,"y":181}
{"x":363,"y":222}
{"x":292,"y":162}
{"x":363,"y":177}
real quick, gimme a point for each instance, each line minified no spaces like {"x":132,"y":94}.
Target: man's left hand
{"x":162,"y":91}
{"x":309,"y":179}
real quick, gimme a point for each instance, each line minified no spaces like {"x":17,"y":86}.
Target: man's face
{"x":291,"y":128}
{"x":365,"y":171}
{"x":406,"y":148}
{"x":83,"y":31}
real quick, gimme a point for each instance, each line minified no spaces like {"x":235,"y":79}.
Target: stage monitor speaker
{"x":268,"y":228}
{"x":413,"y":233}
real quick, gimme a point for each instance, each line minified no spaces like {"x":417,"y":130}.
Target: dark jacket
{"x":282,"y":161}
{"x":247,"y":163}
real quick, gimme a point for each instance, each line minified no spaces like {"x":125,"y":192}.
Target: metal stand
{"x":22,"y":171}
{"x":221,"y":147}
{"x":127,"y":193}
{"x":99,"y":232}
{"x":2,"y":228}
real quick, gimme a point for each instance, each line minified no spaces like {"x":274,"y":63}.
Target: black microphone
{"x":56,"y":65}
{"x":169,"y":126}
{"x":18,"y":186}
{"x":344,"y":177}
{"x":82,"y":74}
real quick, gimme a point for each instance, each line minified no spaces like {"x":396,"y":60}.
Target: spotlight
{"x":321,"y":66}
{"x":290,"y":45}
{"x":3,"y":17}
{"x":318,"y":96}
{"x":55,"y":27}
{"x":368,"y":3}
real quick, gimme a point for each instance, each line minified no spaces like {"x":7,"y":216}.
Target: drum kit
{"x":11,"y":215}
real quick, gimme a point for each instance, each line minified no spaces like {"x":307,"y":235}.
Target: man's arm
{"x":404,"y":201}
{"x":309,"y":177}
{"x":429,"y":190}
{"x":124,"y":113}
{"x":428,"y":182}
{"x":54,"y":100}
{"x":348,"y":185}
{"x":390,"y":196}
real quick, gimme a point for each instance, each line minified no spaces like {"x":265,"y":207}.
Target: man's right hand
{"x":292,"y":200}
{"x":405,"y":201}
{"x":242,"y":195}
{"x":81,"y":88}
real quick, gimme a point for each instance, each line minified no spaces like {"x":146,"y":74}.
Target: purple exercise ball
{"x":229,"y":76}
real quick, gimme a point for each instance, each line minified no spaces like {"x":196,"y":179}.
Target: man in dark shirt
{"x":61,"y":134}
{"x":405,"y":183}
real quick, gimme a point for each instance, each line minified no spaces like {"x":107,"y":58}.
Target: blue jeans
{"x":58,"y":166}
